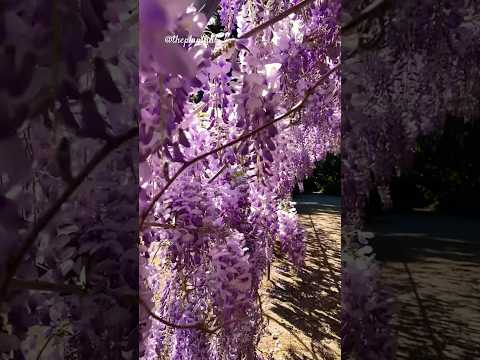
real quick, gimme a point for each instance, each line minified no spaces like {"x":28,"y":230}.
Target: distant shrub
{"x":326,"y":177}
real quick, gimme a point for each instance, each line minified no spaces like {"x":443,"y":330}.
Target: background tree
{"x":445,"y":174}
{"x":326,"y":176}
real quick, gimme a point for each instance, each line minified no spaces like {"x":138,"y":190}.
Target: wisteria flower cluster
{"x":366,"y":309}
{"x":226,"y":132}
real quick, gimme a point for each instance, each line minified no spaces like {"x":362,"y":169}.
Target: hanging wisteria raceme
{"x":406,"y":65}
{"x":227,"y":129}
{"x":228,"y":12}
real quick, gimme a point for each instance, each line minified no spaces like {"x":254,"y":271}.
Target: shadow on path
{"x":438,"y":257}
{"x":309,"y":299}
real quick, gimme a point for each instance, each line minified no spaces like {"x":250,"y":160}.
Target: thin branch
{"x":215,"y":329}
{"x":200,"y":325}
{"x":160,"y":225}
{"x":74,"y":289}
{"x":46,"y":286}
{"x":59,"y":331}
{"x":44,"y":347}
{"x":245,"y":136}
{"x":276,"y":19}
{"x":43,"y":221}
{"x":223,"y":168}
{"x":365,"y":14}
{"x":219,"y":172}
{"x":230,"y":43}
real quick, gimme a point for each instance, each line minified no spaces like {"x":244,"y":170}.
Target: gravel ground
{"x":303,"y":306}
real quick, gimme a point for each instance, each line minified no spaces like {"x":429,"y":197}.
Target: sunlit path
{"x":305,"y":306}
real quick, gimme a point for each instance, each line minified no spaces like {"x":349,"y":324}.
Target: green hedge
{"x":326,"y":177}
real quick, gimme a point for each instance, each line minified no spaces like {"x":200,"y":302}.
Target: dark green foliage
{"x":326,"y":177}
{"x":216,"y":27}
{"x":446,"y":171}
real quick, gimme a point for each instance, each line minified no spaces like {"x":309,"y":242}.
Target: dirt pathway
{"x":431,"y":264}
{"x":304,"y":307}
